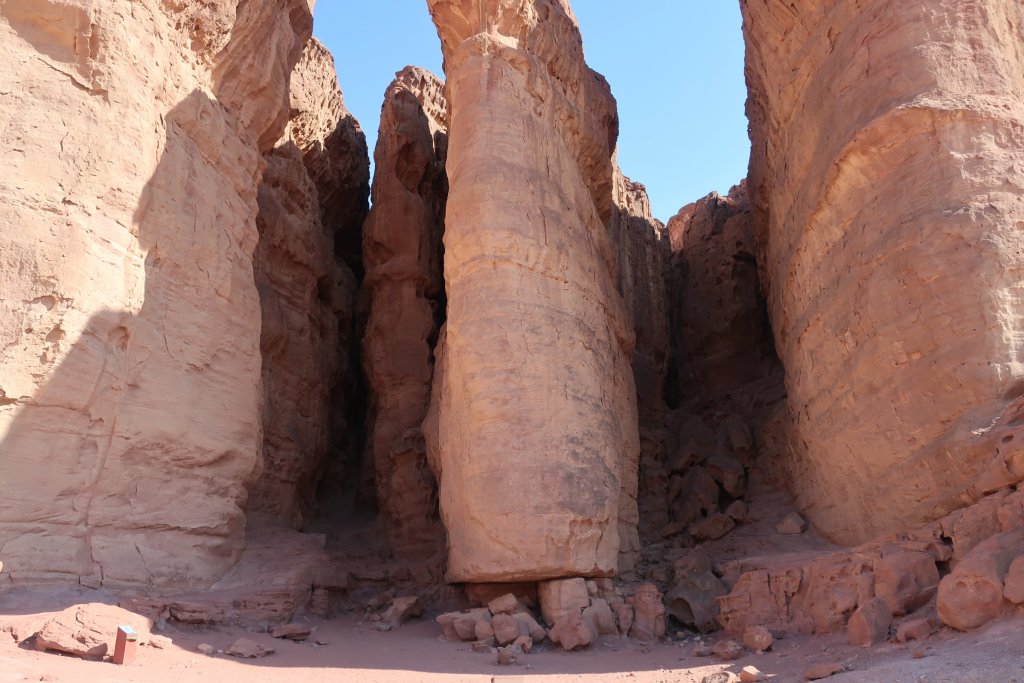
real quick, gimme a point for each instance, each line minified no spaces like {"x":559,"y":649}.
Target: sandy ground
{"x":356,"y":651}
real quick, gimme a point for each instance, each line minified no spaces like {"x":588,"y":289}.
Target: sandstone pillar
{"x":534,"y":410}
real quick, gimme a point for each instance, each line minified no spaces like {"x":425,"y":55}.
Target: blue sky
{"x":675,"y":67}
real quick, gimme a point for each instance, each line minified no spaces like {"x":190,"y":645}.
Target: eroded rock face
{"x":129,"y":325}
{"x":405,"y":287}
{"x":313,"y":195}
{"x":642,"y":252}
{"x":886,"y":181}
{"x":534,"y":419}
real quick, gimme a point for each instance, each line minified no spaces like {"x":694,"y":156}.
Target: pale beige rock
{"x":793,"y":523}
{"x":507,"y":603}
{"x":572,"y":631}
{"x":292,"y":631}
{"x":130,"y":322}
{"x":915,"y":629}
{"x":600,"y":615}
{"x":692,"y":599}
{"x":402,"y":251}
{"x":534,"y":389}
{"x":885,"y":179}
{"x":243,"y":648}
{"x":728,"y":650}
{"x":561,"y":596}
{"x":403,"y":609}
{"x":88,"y":630}
{"x":972,"y":594}
{"x":758,"y":639}
{"x":751,"y":674}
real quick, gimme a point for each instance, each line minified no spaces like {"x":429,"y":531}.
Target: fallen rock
{"x":562,"y":596}
{"x":572,"y":632}
{"x":727,"y":470}
{"x":529,"y":625}
{"x":751,"y":674}
{"x":483,"y":646}
{"x":792,"y":524}
{"x":915,"y":629}
{"x":160,"y":642}
{"x":737,"y":510}
{"x":297,"y":632}
{"x":88,"y":630}
{"x":525,"y":643}
{"x":721,"y":677}
{"x":758,"y":638}
{"x":505,"y":604}
{"x":819,"y":671}
{"x":711,"y":528}
{"x":509,"y":655}
{"x":205,"y":648}
{"x":244,"y":648}
{"x":906,"y":580}
{"x":703,"y":650}
{"x":693,"y":599}
{"x":506,"y":628}
{"x":484,"y":630}
{"x":972,"y":594}
{"x":728,"y":650}
{"x":1013,"y":586}
{"x":870,"y":623}
{"x":600,"y":616}
{"x":403,"y":609}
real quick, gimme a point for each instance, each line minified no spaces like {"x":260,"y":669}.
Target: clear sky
{"x":675,"y":67}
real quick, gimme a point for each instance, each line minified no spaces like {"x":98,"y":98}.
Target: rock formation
{"x":642,"y":253}
{"x":405,"y":288}
{"x":318,"y":169}
{"x":129,"y":326}
{"x":533,"y":424}
{"x":886,"y":177}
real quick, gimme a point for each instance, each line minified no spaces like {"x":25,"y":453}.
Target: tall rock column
{"x":130,"y":323}
{"x":534,"y":421}
{"x":887,"y":183}
{"x":405,"y":286}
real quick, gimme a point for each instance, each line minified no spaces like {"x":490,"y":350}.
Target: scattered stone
{"x":751,"y":674}
{"x":160,"y":642}
{"x":379,"y":600}
{"x":381,"y":626}
{"x":703,"y":650}
{"x":322,"y":641}
{"x":819,"y":671}
{"x":721,"y":677}
{"x":870,"y":623}
{"x":648,"y":614}
{"x":562,"y":596}
{"x":915,"y":629}
{"x":88,"y":630}
{"x":205,"y":648}
{"x":244,"y":648}
{"x":572,"y":632}
{"x":918,"y":654}
{"x":738,"y":511}
{"x":693,"y":599}
{"x":758,"y":638}
{"x":403,"y":609}
{"x":792,"y":524}
{"x":525,"y":643}
{"x":509,"y":655}
{"x":728,"y":471}
{"x":711,"y":528}
{"x":728,"y":650}
{"x":297,"y":632}
{"x":483,"y":646}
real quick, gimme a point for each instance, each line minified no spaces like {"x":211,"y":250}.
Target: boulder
{"x":869,"y":624}
{"x":88,"y":630}
{"x":972,"y":594}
